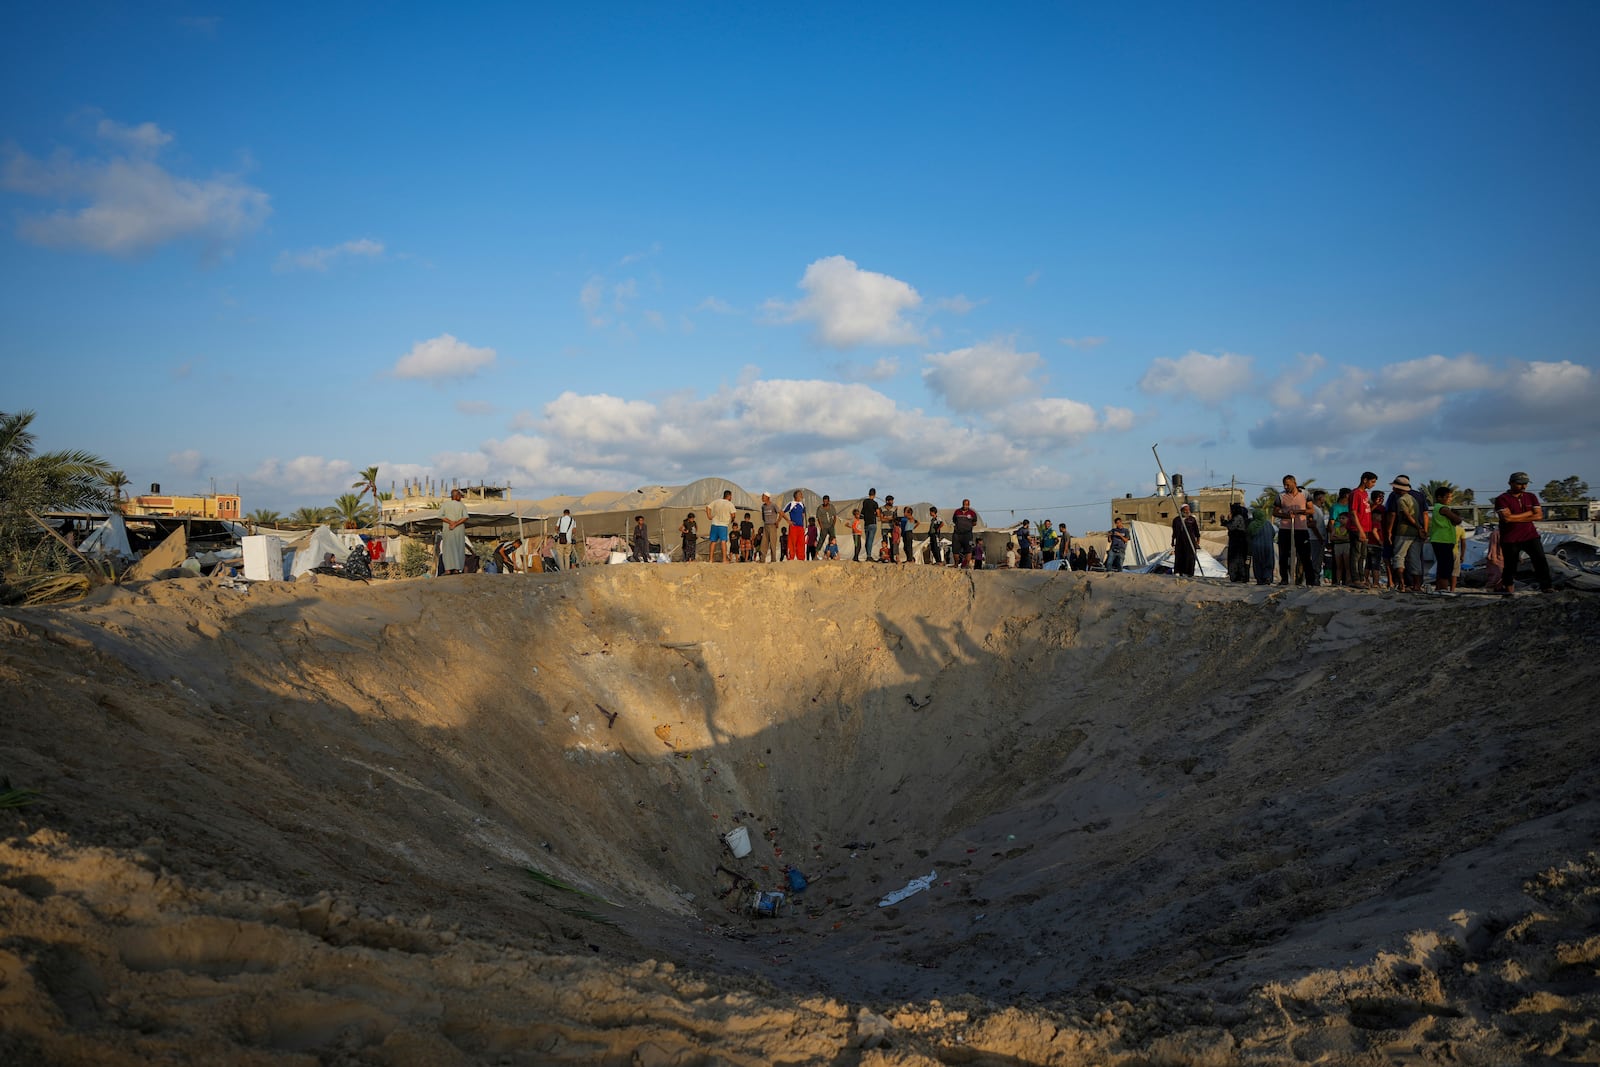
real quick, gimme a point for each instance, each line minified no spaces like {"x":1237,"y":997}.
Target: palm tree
{"x":117,"y":481}
{"x":263,"y":517}
{"x":368,"y":483}
{"x":1431,"y":490}
{"x":309,"y":517}
{"x":351,"y":510}
{"x":64,"y":480}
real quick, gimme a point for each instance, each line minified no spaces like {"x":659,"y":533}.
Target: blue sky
{"x":993,"y":251}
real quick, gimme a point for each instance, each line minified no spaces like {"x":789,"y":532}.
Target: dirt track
{"x":1171,"y":821}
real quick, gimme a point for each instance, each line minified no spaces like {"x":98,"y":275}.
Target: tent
{"x":109,"y":540}
{"x":322,"y":541}
{"x":1150,"y":550}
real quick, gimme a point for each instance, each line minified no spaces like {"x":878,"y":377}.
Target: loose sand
{"x":1172,"y":822}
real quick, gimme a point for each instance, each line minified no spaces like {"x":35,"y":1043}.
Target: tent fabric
{"x":1150,"y":548}
{"x":322,"y":541}
{"x":109,"y":540}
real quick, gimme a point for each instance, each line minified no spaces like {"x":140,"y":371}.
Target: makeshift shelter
{"x":109,"y":540}
{"x":1150,"y":550}
{"x":310,"y":554}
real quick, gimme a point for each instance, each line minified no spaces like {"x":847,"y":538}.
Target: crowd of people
{"x":1364,"y":538}
{"x":1359,"y":537}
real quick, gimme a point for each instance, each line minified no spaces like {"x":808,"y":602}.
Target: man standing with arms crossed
{"x":769,"y":529}
{"x":962,"y":522}
{"x":1519,"y":510}
{"x":720,"y":512}
{"x":869,"y":519}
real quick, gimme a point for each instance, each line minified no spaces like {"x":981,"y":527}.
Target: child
{"x":747,"y":532}
{"x":811,"y":537}
{"x":977,"y":553}
{"x":1011,"y":555}
{"x":832,"y":549}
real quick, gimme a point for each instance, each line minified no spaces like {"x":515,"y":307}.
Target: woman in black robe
{"x":1185,"y":542}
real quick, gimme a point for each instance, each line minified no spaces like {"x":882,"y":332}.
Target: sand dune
{"x":1172,"y":822}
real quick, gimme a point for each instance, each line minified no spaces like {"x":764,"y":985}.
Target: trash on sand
{"x":916,"y":885}
{"x":797,"y":881}
{"x":768,"y":904}
{"x":738,"y":841}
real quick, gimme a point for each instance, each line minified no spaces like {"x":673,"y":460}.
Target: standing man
{"x":1319,"y":535}
{"x":769,"y":528}
{"x":795,"y":512}
{"x":565,"y":526}
{"x":1519,"y":510}
{"x":935,"y":529}
{"x":827,"y":520}
{"x":962,"y":522}
{"x":1116,"y":545}
{"x":1185,"y":542}
{"x":454,"y":546}
{"x":1362,"y":539}
{"x":869,"y":519}
{"x":720,"y":515}
{"x":1047,"y":543}
{"x":1294,"y":539}
{"x":1407,"y":514}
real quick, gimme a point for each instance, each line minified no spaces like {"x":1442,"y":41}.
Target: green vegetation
{"x":415,"y":559}
{"x":263,"y":517}
{"x":34,"y":482}
{"x":1569,"y":488}
{"x":350,"y":510}
{"x":309,"y":517}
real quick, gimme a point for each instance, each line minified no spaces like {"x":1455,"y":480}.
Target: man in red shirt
{"x":1361,"y":512}
{"x":1519,"y":510}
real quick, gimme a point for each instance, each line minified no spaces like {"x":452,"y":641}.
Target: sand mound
{"x":1168,"y":822}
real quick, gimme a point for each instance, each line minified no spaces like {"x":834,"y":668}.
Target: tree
{"x":1431,"y":490}
{"x":117,"y":481}
{"x":49,"y":481}
{"x":263,"y":517}
{"x":368,"y":483}
{"x":351,"y":511}
{"x":1568,"y":488}
{"x":309,"y":517}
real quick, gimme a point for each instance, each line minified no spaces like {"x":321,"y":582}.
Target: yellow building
{"x":219,"y":506}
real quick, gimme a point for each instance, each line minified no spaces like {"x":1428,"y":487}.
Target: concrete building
{"x":1211,"y":506}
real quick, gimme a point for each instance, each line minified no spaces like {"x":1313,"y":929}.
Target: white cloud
{"x":309,"y":475}
{"x":126,"y":202}
{"x":849,"y":306}
{"x":187,"y":463}
{"x":320,"y":259}
{"x":716,"y":305}
{"x":146,"y":137}
{"x":983,"y":377}
{"x":1050,"y":417}
{"x":958,"y":304}
{"x":1114,"y":418}
{"x":1439,"y":374}
{"x":880,"y":370}
{"x":1284,"y":391}
{"x":835,"y":411}
{"x":443,"y":357}
{"x":1209,"y":379}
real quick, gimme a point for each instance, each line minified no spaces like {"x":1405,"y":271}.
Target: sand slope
{"x":1171,"y":822}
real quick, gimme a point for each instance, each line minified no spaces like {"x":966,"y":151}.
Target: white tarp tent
{"x":322,"y":541}
{"x":1150,"y":548}
{"x":109,"y":540}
